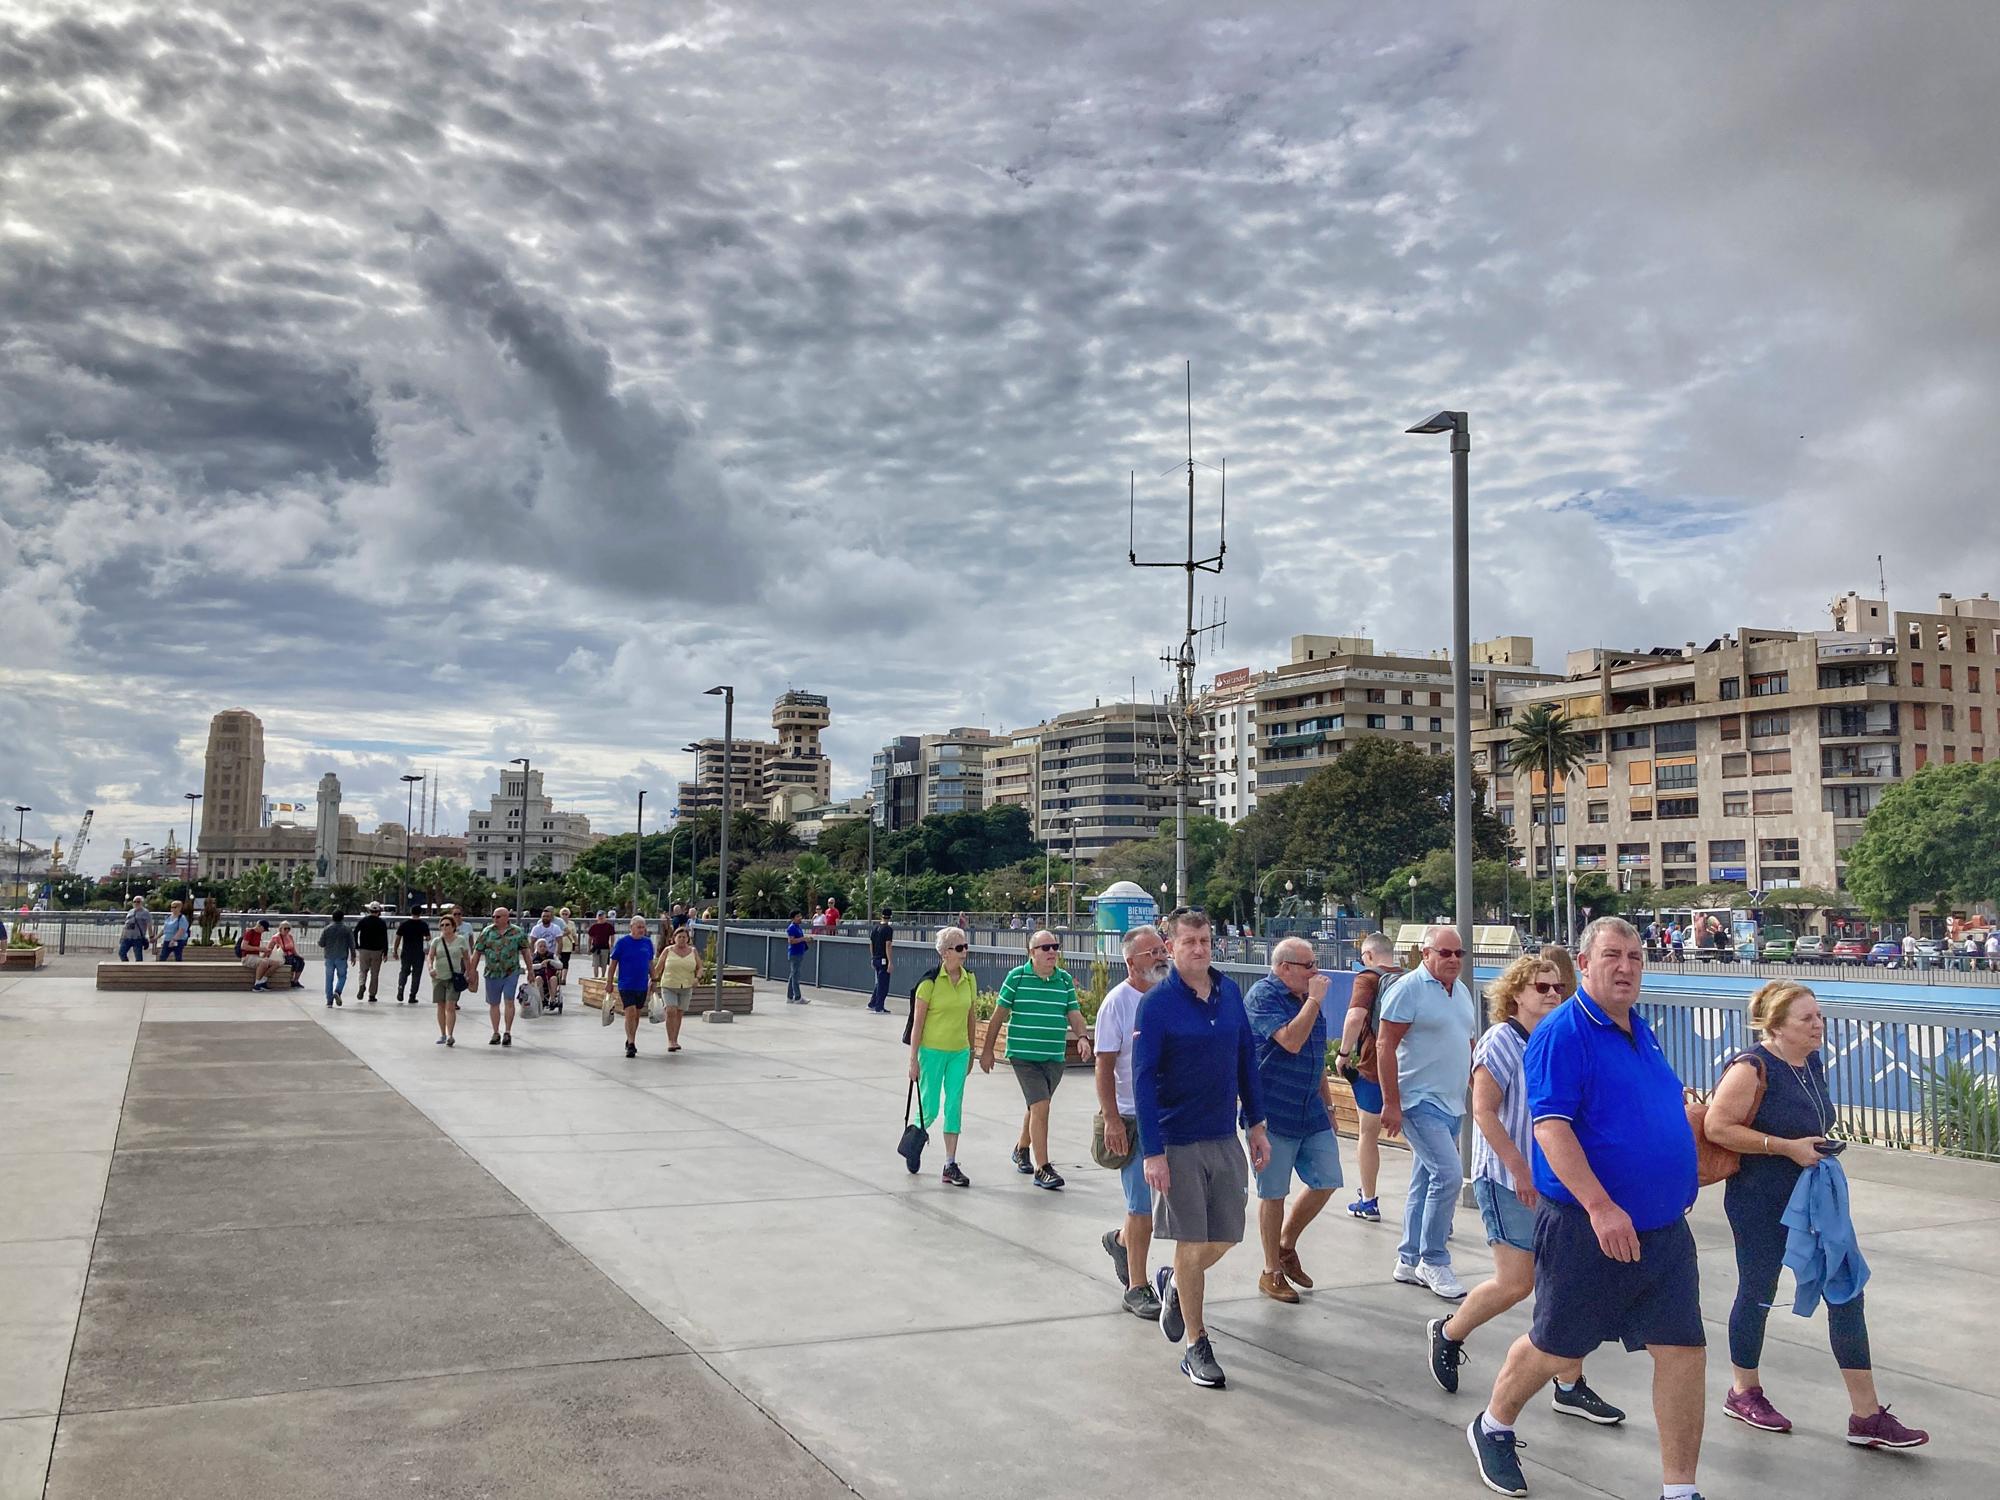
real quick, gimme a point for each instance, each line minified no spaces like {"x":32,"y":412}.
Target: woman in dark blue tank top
{"x":1776,"y":1138}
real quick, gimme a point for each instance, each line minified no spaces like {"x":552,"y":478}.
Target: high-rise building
{"x":232,"y":783}
{"x":1754,"y":758}
{"x":1012,"y":771}
{"x":955,"y":769}
{"x":1101,"y":775}
{"x":520,"y":822}
{"x":759,"y":769}
{"x":1226,"y":720}
{"x":896,"y":780}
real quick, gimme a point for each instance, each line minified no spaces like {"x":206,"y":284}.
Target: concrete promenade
{"x":254,"y":1247}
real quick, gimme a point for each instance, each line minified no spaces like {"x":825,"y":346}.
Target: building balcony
{"x":1298,"y":740}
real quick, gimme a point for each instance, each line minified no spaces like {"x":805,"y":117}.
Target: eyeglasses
{"x":1449,"y":952}
{"x":1048,"y":947}
{"x":1543,"y":987}
{"x":958,"y":947}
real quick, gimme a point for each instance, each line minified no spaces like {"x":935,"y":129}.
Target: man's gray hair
{"x":1431,"y":931}
{"x":1292,"y":948}
{"x":1039,"y":935}
{"x":1378,"y":942}
{"x":1616,"y":926}
{"x":1133,"y":937}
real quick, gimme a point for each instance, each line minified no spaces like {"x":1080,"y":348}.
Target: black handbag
{"x":915,"y":1137}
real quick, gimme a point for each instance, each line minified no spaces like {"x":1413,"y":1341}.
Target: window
{"x":1677,"y":854}
{"x":1918,"y":715}
{"x":1731,"y":726}
{"x":1950,"y":754}
{"x":1437,"y":726}
{"x":1409,"y":720}
{"x":1680,"y":807}
{"x":1977,"y":727}
{"x":1777,"y":800}
{"x":1916,"y":636}
{"x":1735,"y":765}
{"x":1770,"y":762}
{"x":1634,"y":854}
{"x":1437,"y":700}
{"x":1923,"y":754}
{"x":1725,"y":851}
{"x":1736,"y":804}
{"x":1950,"y":714}
{"x":1378,"y":721}
{"x":1972,"y":679}
{"x":1783,"y":851}
{"x":1631,"y":739}
{"x":1769,"y":684}
{"x":1732,"y":688}
{"x":1971,"y":640}
{"x":1377,"y":695}
{"x":1668,"y":738}
{"x":1676,"y":775}
{"x":1944,"y":675}
{"x":1598,"y":812}
{"x":1639,"y":773}
{"x":1639,"y":810}
{"x":1763,"y":726}
{"x":1408,"y":697}
{"x":1916,"y":674}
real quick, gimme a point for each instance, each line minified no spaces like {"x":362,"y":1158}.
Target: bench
{"x":189,"y":974}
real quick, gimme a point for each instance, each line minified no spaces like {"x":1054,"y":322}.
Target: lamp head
{"x":720,"y":691}
{"x":519,"y":760}
{"x":1444,"y":421}
{"x":411,"y":778}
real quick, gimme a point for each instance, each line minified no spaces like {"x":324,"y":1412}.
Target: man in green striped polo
{"x":1037,"y":1005}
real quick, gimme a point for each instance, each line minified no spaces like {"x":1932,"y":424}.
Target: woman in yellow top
{"x":941,"y":1044}
{"x":676,"y":972}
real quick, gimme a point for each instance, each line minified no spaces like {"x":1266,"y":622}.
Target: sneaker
{"x":507,"y":1040}
{"x":1288,"y":1262}
{"x":1884,"y":1431}
{"x":329,"y":1005}
{"x":1141,"y":1303}
{"x":1752,"y":1410}
{"x":1172,"y":1324}
{"x":1440,"y":1280}
{"x":1117,"y":1253}
{"x":1406,"y":1272}
{"x":631,"y":1049}
{"x":953,"y":1177}
{"x":451,"y":1041}
{"x":1499,"y":1464}
{"x":1273,"y":1285}
{"x":1581,"y":1401}
{"x":1021,"y":1161}
{"x":440,"y":1041}
{"x":260,"y":985}
{"x":493,"y":1040}
{"x":1447,"y":1354}
{"x":1048,"y":1177}
{"x":338,"y":1001}
{"x":1199,"y":1365}
{"x":1368,"y":1210}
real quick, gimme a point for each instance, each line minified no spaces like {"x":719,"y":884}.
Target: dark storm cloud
{"x":501,"y":376}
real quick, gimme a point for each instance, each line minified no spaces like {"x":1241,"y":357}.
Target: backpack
{"x":910,"y":1020}
{"x":1364,"y":1049}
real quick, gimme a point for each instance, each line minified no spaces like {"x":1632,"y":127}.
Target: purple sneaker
{"x":1750,"y":1408}
{"x":1883,"y":1431}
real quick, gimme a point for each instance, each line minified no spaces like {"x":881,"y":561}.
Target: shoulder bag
{"x":459,"y":983}
{"x":1713,"y":1163}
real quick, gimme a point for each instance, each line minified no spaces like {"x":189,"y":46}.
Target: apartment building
{"x":896,"y":778}
{"x":1101,"y":775}
{"x":1226,"y":721}
{"x":1755,"y":758}
{"x":758,"y":770}
{"x":521,"y":822}
{"x":1013,"y":771}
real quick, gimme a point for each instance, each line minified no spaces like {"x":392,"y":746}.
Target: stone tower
{"x":326,"y":844}
{"x":232,"y":783}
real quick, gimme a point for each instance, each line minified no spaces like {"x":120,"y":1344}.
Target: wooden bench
{"x":738,"y":992}
{"x":189,"y":974}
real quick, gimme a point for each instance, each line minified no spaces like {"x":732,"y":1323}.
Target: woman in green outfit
{"x":941,"y":1044}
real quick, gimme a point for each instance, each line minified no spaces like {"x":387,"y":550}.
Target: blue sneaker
{"x":1366,"y":1209}
{"x":1172,"y":1324}
{"x":1499,"y":1465}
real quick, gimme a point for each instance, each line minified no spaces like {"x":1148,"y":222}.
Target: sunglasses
{"x":1048,"y":947}
{"x":958,"y":947}
{"x":1543,"y":987}
{"x":1449,"y":952}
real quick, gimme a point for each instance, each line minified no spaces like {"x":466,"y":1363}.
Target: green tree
{"x":1547,"y":744}
{"x":256,"y":889}
{"x":297,"y":888}
{"x":1934,"y":838}
{"x":586,"y":891}
{"x":384,"y":884}
{"x":811,"y":875}
{"x":344,"y":897}
{"x":762,"y":891}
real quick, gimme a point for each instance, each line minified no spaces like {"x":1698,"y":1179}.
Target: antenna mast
{"x":1183,"y":660}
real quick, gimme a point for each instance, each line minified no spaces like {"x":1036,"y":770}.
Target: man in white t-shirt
{"x":1146,"y":964}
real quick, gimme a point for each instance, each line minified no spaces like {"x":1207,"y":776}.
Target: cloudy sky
{"x":451,"y":381}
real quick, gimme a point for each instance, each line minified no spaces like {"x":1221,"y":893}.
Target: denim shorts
{"x":1507,"y":1219}
{"x":1316,"y":1158}
{"x":1132,"y":1178}
{"x":502,"y":988}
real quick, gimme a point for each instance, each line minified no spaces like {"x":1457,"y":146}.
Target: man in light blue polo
{"x":1424,"y":1057}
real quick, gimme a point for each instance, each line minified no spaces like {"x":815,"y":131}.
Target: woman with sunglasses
{"x":1503,"y":1181}
{"x":941,"y":1020}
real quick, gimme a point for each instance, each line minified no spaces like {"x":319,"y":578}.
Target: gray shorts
{"x":1210,"y":1180}
{"x":1038,"y":1080}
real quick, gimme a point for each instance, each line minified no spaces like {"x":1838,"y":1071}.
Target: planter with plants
{"x":23,"y":951}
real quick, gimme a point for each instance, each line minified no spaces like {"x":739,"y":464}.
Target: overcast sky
{"x":456,"y":381}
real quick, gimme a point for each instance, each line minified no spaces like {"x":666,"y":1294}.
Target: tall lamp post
{"x":673,"y":838}
{"x":191,"y":798}
{"x":727,"y":693}
{"x":21,"y":846}
{"x":521,"y":864}
{"x":871,"y":857}
{"x":638,"y":838}
{"x":1413,"y":899}
{"x":1069,"y":922}
{"x":1570,"y":921}
{"x":1456,"y":423}
{"x":409,"y":811}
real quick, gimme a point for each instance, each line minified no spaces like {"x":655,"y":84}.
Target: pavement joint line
{"x":216,"y":1230}
{"x":627,"y":1208}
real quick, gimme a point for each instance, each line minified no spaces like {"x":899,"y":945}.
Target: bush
{"x":1964,"y":1106}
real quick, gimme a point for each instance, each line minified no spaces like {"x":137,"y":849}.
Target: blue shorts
{"x":1367,"y":1096}
{"x":1316,"y":1158}
{"x":1508,"y":1220}
{"x":501,"y":988}
{"x":1584,"y":1298}
{"x":1132,"y":1178}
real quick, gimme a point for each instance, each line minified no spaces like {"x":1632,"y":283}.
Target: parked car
{"x":1810,"y":949}
{"x":1850,"y":951}
{"x":1888,"y":955}
{"x":1930,"y":947}
{"x":1776,"y":946}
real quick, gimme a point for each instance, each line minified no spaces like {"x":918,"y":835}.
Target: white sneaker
{"x":1440,"y":1280}
{"x":1408,"y":1274}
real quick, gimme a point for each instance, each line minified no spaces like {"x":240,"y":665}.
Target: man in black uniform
{"x":413,"y":938}
{"x":881,"y":947}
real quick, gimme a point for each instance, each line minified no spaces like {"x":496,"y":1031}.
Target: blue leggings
{"x":1756,"y":1217}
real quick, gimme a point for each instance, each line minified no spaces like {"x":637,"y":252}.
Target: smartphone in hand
{"x":1829,"y":1148}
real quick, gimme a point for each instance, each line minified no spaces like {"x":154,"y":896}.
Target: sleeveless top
{"x":1796,"y":1103}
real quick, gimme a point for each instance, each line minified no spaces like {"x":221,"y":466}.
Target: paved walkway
{"x":253,"y":1247}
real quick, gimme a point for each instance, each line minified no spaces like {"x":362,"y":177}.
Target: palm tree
{"x":256,"y":889}
{"x":810,"y":875}
{"x":760,"y":891}
{"x":1545,"y":742}
{"x":433,"y":878}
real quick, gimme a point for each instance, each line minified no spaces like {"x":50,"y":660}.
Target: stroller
{"x":545,"y":982}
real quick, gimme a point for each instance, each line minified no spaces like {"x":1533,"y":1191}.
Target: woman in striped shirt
{"x":1503,"y":1179}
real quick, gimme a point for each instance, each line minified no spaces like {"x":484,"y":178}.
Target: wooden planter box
{"x":24,"y":958}
{"x":1346,"y":1118}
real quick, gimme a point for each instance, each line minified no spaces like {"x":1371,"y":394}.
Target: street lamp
{"x":409,"y":811}
{"x":1570,"y":921}
{"x":521,"y":864}
{"x":727,"y":693}
{"x":21,"y":846}
{"x":871,"y":856}
{"x":1069,"y":922}
{"x":638,"y":838}
{"x":191,"y":798}
{"x":1456,"y":423}
{"x":1413,"y":898}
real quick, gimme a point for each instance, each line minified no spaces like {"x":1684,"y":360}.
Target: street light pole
{"x":21,"y":848}
{"x":1413,"y":899}
{"x":1457,"y":424}
{"x":191,"y":798}
{"x":871,"y":859}
{"x":409,"y":811}
{"x":638,"y":838}
{"x":1570,"y":919}
{"x":521,"y":864}
{"x":673,"y":838}
{"x":727,"y":693}
{"x":1070,"y":920}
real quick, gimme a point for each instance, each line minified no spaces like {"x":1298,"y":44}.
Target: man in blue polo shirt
{"x":795,"y":959}
{"x":1614,"y":1257}
{"x":1284,"y":1009}
{"x":1193,"y":1063}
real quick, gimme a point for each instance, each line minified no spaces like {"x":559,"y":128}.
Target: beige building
{"x":1013,"y":771}
{"x":1756,"y":757}
{"x":1101,"y":776}
{"x":1226,"y":720}
{"x":759,"y":769}
{"x":522,"y":822}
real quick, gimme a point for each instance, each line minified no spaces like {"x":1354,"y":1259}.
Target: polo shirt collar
{"x":1590,"y":1009}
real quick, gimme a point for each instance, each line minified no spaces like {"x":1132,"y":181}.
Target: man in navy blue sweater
{"x":1194,"y":1063}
